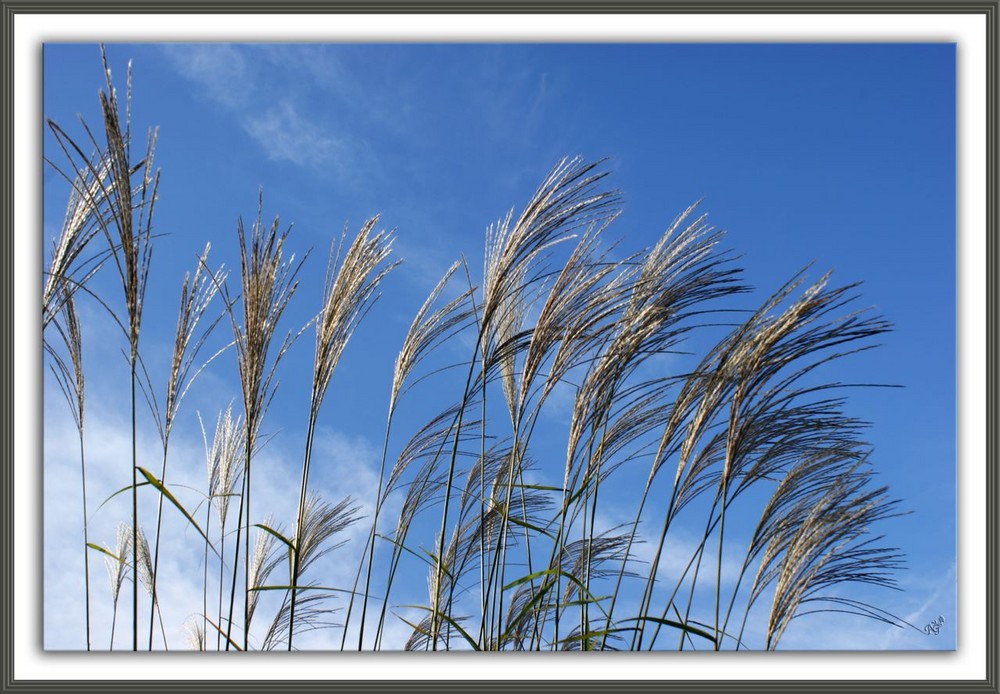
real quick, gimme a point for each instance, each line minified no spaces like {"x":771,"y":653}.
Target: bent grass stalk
{"x":425,"y":333}
{"x":348,"y":295}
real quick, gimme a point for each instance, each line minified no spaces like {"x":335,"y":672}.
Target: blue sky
{"x":842,"y":155}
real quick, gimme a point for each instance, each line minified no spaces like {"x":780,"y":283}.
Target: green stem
{"x":718,"y":568}
{"x":222,"y":566}
{"x":246,"y":564}
{"x":135,"y":521}
{"x":204,"y":584}
{"x":156,"y":542}
{"x":483,"y":591}
{"x":236,"y":555}
{"x":114,"y":619}
{"x":371,"y":537}
{"x":435,"y":622}
{"x":300,"y":516}
{"x":86,"y":538}
{"x":588,"y":548}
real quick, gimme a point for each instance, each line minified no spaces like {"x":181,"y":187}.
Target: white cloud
{"x":285,"y":135}
{"x":345,"y":466}
{"x":229,"y":76}
{"x":220,"y":70}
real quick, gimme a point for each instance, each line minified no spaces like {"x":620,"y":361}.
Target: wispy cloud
{"x":220,"y":71}
{"x":285,"y":135}
{"x":239,"y":82}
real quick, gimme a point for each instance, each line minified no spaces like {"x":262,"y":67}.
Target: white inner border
{"x":968,"y":31}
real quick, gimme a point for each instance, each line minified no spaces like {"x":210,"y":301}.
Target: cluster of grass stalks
{"x":748,"y":448}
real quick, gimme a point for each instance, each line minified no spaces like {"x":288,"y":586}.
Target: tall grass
{"x":709,"y":420}
{"x":113,"y":196}
{"x":70,"y":378}
{"x":131,"y":214}
{"x":268,"y":283}
{"x":197,"y":291}
{"x":347,"y":296}
{"x":224,"y":464}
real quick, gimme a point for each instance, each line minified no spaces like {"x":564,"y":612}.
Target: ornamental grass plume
{"x":349,"y":292}
{"x":268,"y":282}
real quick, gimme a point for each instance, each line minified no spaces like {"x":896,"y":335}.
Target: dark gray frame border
{"x":10,"y":8}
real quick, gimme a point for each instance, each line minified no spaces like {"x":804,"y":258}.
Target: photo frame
{"x":545,"y":674}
